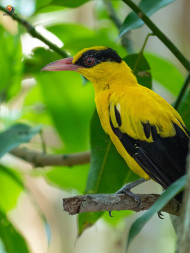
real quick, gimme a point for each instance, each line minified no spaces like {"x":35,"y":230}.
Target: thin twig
{"x":39,"y":159}
{"x":112,"y":13}
{"x":112,"y":202}
{"x":141,"y":51}
{"x":167,"y":42}
{"x":182,"y":92}
{"x":125,"y":40}
{"x":32,"y":31}
{"x":44,"y":148}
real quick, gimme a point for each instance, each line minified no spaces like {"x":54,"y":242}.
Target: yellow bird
{"x":147,"y":131}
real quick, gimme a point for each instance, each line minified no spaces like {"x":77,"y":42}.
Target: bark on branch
{"x":112,"y":202}
{"x":40,"y":159}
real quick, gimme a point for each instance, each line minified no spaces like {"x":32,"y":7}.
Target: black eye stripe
{"x":98,"y":56}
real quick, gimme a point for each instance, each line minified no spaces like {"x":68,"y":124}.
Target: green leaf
{"x":117,"y":216}
{"x":47,"y":8}
{"x":166,"y":73}
{"x":70,"y":3}
{"x":10,"y":187}
{"x":11,"y":238}
{"x":10,"y":64}
{"x":40,"y":4}
{"x":140,"y":68}
{"x":184,"y":109}
{"x":70,"y":105}
{"x":108,"y":170}
{"x":39,"y":59}
{"x":168,"y":194}
{"x":16,"y":135}
{"x":34,"y":109}
{"x":76,"y":37}
{"x":68,"y":178}
{"x":86,"y":220}
{"x":132,"y":21}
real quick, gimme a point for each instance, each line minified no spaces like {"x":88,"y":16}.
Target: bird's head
{"x":98,"y":64}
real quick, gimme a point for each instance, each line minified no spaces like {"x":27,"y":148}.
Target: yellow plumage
{"x":147,"y":132}
{"x":115,"y":85}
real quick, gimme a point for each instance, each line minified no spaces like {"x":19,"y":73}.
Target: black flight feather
{"x":164,"y":159}
{"x":146,"y":127}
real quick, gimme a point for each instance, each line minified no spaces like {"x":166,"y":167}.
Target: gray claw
{"x":160,"y":215}
{"x":130,"y":194}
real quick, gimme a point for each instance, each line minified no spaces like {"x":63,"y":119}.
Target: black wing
{"x":164,"y":159}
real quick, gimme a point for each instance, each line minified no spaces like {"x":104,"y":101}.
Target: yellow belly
{"x":102,"y":109}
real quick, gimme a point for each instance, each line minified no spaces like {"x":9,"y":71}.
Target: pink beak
{"x":61,"y":65}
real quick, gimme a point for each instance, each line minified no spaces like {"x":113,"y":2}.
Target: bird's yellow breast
{"x":102,"y":105}
{"x":136,"y":104}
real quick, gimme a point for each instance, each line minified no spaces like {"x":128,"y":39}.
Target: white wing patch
{"x":118,"y":108}
{"x":115,"y":114}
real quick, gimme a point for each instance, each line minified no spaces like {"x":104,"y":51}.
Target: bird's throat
{"x":108,"y":75}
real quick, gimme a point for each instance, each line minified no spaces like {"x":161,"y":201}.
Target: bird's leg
{"x":126,"y":189}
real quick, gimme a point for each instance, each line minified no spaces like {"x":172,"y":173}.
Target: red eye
{"x":89,"y":61}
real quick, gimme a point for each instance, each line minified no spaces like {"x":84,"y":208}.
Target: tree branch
{"x":167,"y":42}
{"x":39,"y":159}
{"x":182,"y":92}
{"x":112,"y":13}
{"x":125,"y":40}
{"x":32,"y":31}
{"x":112,"y":202}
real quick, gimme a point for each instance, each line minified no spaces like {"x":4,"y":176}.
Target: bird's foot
{"x":126,"y":189}
{"x":178,"y":207}
{"x":160,"y":215}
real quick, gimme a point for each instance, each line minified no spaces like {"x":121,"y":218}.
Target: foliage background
{"x":31,"y":200}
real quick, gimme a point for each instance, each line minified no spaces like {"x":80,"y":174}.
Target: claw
{"x":126,"y":189}
{"x":130,"y":194}
{"x":160,"y":215}
{"x":178,"y":207}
